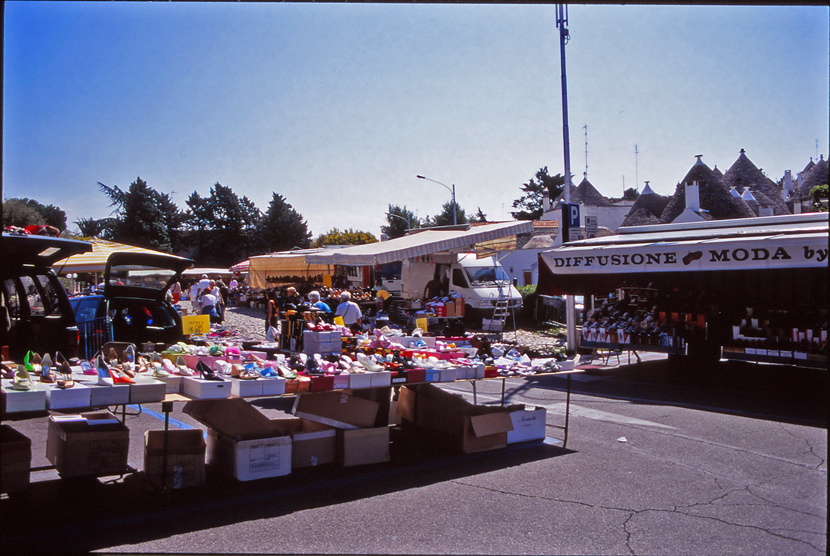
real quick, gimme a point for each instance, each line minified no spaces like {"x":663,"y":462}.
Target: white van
{"x":481,"y":282}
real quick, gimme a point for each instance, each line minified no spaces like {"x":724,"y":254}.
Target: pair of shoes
{"x":107,"y":375}
{"x":241,"y":373}
{"x":206,"y":373}
{"x":65,"y":371}
{"x":46,"y":374}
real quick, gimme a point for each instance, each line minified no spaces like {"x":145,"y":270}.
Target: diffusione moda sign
{"x":759,"y":252}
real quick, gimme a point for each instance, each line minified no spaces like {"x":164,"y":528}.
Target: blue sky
{"x":338,"y":107}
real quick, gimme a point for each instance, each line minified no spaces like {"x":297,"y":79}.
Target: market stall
{"x":752,"y":289}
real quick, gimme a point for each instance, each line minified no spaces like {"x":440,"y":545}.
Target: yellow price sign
{"x":339,"y":321}
{"x":195,"y":324}
{"x":421,"y":323}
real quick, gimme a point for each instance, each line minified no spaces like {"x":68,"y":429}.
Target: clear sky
{"x":338,"y":107}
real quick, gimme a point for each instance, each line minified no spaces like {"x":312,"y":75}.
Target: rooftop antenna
{"x":636,"y":170}
{"x":585,"y":127}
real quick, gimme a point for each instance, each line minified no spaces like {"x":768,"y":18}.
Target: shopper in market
{"x":349,"y":311}
{"x":434,"y":288}
{"x":209,"y":302}
{"x":314,"y":299}
{"x":290,"y":300}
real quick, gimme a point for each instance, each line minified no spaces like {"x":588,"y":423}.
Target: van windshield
{"x":487,"y":276}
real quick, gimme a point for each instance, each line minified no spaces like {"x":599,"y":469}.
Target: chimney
{"x":545,"y":200}
{"x":693,"y":197}
{"x":788,"y":180}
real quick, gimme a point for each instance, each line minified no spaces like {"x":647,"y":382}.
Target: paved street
{"x":661,"y":459}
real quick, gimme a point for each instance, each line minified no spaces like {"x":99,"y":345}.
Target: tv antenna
{"x":585,"y":127}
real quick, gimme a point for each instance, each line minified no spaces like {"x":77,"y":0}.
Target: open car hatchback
{"x":135,"y":292}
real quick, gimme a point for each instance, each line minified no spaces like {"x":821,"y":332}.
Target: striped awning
{"x":96,"y":260}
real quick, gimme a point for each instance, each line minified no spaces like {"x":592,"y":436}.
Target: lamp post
{"x":454,"y":206}
{"x":408,"y":225}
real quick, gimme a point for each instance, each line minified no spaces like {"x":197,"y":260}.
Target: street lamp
{"x":408,"y":225}
{"x":454,"y":206}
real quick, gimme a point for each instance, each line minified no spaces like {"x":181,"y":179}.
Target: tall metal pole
{"x":562,"y":24}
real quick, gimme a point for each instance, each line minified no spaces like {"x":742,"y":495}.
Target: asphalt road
{"x":661,"y":458}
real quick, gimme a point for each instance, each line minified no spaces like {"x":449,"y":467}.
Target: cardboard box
{"x":312,"y":443}
{"x":90,"y":444}
{"x":362,"y":446}
{"x":103,"y":396}
{"x":206,"y":389}
{"x":147,"y":390}
{"x":470,"y":428}
{"x":528,"y":424}
{"x":65,"y":398}
{"x":16,"y":461}
{"x":185,"y":458}
{"x":336,"y":409}
{"x":242,"y":442}
{"x":15,"y":401}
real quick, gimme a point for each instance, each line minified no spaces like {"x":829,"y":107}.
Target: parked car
{"x":35,"y":312}
{"x":134,"y":306}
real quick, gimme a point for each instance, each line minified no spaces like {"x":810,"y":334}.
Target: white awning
{"x":419,"y":244}
{"x":800,"y":250}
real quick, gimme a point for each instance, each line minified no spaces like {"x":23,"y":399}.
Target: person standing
{"x":349,"y":311}
{"x":176,"y":291}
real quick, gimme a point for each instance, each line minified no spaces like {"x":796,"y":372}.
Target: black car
{"x":35,"y":312}
{"x":134,"y":306}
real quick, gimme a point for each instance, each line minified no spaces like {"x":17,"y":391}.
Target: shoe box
{"x":203,"y":389}
{"x":185,"y":458}
{"x":358,"y":440}
{"x":103,"y":396}
{"x":147,"y":390}
{"x":66,"y":398}
{"x":95,"y":444}
{"x":468,"y":428}
{"x":321,"y":342}
{"x":16,"y":461}
{"x":242,"y":442}
{"x":312,"y":443}
{"x":528,"y":423}
{"x":15,"y":401}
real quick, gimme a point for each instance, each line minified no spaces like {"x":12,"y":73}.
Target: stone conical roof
{"x":647,"y":207}
{"x":713,"y":193}
{"x":744,"y":174}
{"x":587,"y":194}
{"x":816,"y":176}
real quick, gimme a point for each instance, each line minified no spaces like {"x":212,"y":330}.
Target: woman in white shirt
{"x":210,"y":303}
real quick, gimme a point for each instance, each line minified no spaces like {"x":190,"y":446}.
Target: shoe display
{"x":65,"y":370}
{"x":182,"y":368}
{"x":205,"y":372}
{"x":104,"y":373}
{"x":22,"y":380}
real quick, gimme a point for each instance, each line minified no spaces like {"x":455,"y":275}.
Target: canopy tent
{"x":95,"y":261}
{"x":600,"y":265}
{"x":240,"y":267}
{"x":267,"y":270}
{"x":418,"y":244}
{"x":211,"y":272}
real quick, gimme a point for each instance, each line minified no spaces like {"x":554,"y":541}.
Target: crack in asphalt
{"x":821,"y":460}
{"x":632,"y":513}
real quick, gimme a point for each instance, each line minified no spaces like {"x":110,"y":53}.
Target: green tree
{"x":479,"y":216}
{"x":630,"y":194}
{"x":530,"y":203}
{"x":346,"y":237}
{"x":399,"y":219}
{"x":89,"y":227}
{"x":16,"y":212}
{"x":818,"y":194}
{"x":282,"y":227}
{"x":444,"y":218}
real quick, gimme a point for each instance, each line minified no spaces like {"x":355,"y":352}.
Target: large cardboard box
{"x":93,"y":444}
{"x":362,"y":446}
{"x":528,"y":424}
{"x":185,"y":458}
{"x":336,"y":409}
{"x":242,"y":442}
{"x":470,"y":428}
{"x":312,"y":443}
{"x":16,"y":461}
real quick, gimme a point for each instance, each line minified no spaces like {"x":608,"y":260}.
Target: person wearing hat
{"x":349,"y":311}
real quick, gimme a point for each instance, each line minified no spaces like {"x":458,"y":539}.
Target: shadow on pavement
{"x":81,"y":515}
{"x":773,"y":392}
